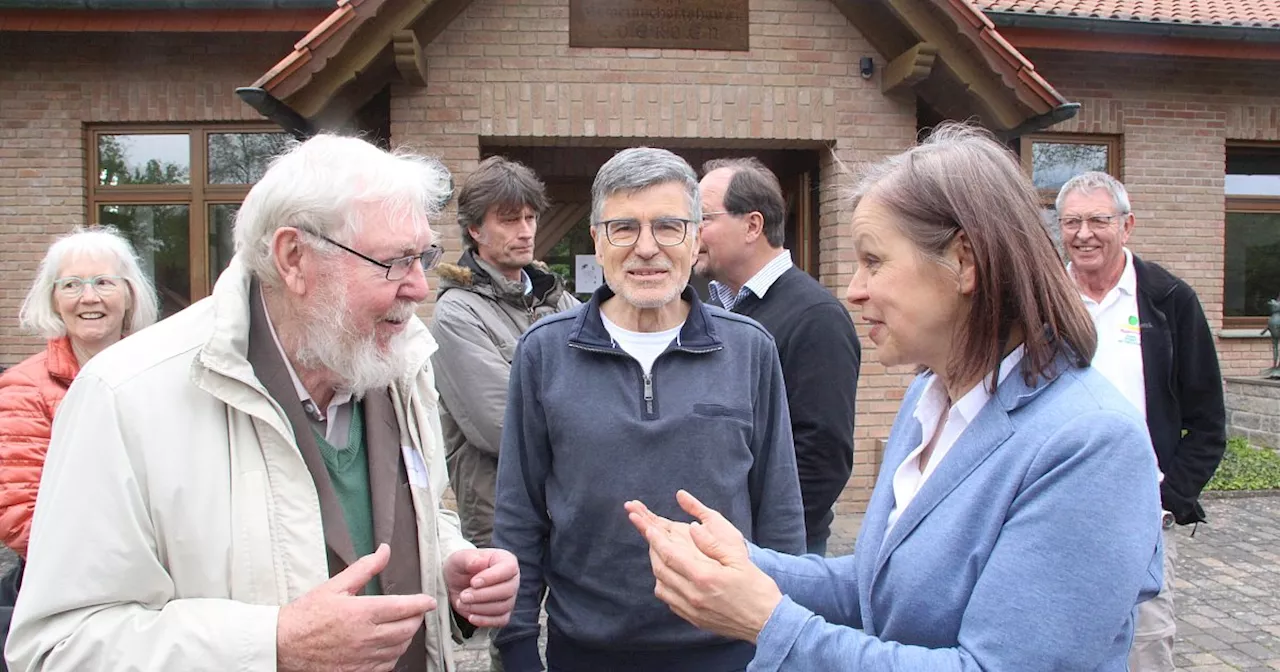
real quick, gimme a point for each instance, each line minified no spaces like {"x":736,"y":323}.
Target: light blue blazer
{"x":1027,"y":549}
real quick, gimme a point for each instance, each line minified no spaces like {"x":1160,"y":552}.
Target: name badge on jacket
{"x":414,"y":465}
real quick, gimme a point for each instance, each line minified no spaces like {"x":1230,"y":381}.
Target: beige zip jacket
{"x":176,"y":515}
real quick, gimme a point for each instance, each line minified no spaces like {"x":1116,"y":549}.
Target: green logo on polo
{"x":1133,"y":320}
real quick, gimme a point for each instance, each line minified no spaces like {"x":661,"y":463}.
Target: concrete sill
{"x":1242,"y":333}
{"x":1245,"y":380}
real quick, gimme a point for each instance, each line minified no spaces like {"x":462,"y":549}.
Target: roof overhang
{"x":946,"y":52}
{"x":159,"y":20}
{"x":166,"y":5}
{"x":1126,"y":36}
{"x":1148,"y":28}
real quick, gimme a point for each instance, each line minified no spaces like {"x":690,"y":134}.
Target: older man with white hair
{"x":252,"y":484}
{"x":1156,"y":347}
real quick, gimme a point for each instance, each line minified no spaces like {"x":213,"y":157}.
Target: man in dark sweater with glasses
{"x":743,"y":219}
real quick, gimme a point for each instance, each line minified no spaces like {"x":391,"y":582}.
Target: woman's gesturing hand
{"x":703,"y":571}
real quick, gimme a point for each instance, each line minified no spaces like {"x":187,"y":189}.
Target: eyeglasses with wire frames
{"x":103,"y":285}
{"x":1097,"y":222}
{"x":399,"y":267}
{"x":667,"y":231}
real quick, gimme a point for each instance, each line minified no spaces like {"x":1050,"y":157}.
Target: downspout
{"x":1040,"y":122}
{"x":277,"y":111}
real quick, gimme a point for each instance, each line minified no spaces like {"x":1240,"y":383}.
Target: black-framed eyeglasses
{"x":667,"y":231}
{"x":399,"y":267}
{"x":1096,"y":222}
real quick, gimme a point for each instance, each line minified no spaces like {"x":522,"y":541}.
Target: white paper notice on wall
{"x":587,"y":274}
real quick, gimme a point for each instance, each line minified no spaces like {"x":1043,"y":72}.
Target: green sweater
{"x":349,"y":471}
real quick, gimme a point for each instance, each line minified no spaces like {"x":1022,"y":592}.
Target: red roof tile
{"x":1232,"y":13}
{"x":341,"y":17}
{"x":1032,"y":83}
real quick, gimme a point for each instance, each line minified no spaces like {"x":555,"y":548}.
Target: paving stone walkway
{"x":1228,"y":589}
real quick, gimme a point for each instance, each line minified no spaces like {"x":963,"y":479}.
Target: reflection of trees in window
{"x":144,"y":187}
{"x":113,"y":166}
{"x":242,"y":158}
{"x":1053,"y":163}
{"x":159,"y":234}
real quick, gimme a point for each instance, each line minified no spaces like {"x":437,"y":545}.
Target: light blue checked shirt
{"x":759,"y":283}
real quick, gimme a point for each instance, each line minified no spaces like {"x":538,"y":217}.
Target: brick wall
{"x":503,"y":74}
{"x":1176,"y":116}
{"x":51,"y":85}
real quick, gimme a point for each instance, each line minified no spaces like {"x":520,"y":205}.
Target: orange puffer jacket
{"x":29,"y":394}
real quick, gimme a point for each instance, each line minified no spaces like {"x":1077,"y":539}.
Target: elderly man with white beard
{"x":253,"y":483}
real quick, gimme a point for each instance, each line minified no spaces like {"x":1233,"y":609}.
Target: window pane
{"x":1253,"y":171}
{"x":221,"y":245}
{"x":1252,"y":273}
{"x":1253,"y":185}
{"x":144,"y":159}
{"x":1053,"y":163}
{"x":242,"y":158}
{"x":159,"y":233}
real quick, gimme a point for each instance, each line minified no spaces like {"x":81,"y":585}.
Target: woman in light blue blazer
{"x":1015,"y":523}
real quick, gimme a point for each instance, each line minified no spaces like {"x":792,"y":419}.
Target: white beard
{"x":353,"y":357}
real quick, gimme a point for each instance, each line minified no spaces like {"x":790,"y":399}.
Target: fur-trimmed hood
{"x":473,"y":274}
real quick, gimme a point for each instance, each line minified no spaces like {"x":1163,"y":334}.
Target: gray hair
{"x":1093,"y":181}
{"x":324,"y":186}
{"x":638,"y":168}
{"x":38,"y":314}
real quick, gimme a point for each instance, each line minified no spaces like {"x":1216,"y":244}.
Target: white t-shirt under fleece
{"x":645,"y":346}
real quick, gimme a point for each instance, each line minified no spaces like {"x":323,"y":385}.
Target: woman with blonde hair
{"x":89,"y":292}
{"x":1015,"y":521}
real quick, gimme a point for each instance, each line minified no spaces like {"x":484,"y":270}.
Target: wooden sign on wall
{"x":660,"y":24}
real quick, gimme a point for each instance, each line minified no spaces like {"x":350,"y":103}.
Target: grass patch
{"x":1246,"y":468}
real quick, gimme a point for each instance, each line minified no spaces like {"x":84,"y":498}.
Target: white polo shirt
{"x":1115,"y":318}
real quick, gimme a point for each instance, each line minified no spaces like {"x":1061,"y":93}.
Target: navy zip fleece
{"x":586,"y":430}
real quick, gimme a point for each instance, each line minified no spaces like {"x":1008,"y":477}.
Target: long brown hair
{"x":961,"y":180}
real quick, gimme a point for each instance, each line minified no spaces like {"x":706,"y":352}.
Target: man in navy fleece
{"x":638,"y":393}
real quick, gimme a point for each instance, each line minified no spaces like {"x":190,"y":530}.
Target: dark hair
{"x":961,"y":179}
{"x":754,"y":188}
{"x":498,"y":181}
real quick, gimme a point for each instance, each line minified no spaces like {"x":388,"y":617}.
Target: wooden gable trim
{"x":353,"y":60}
{"x":355,"y":53}
{"x":908,"y":69}
{"x":993,"y":96}
{"x":411,"y":63}
{"x":973,"y":67}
